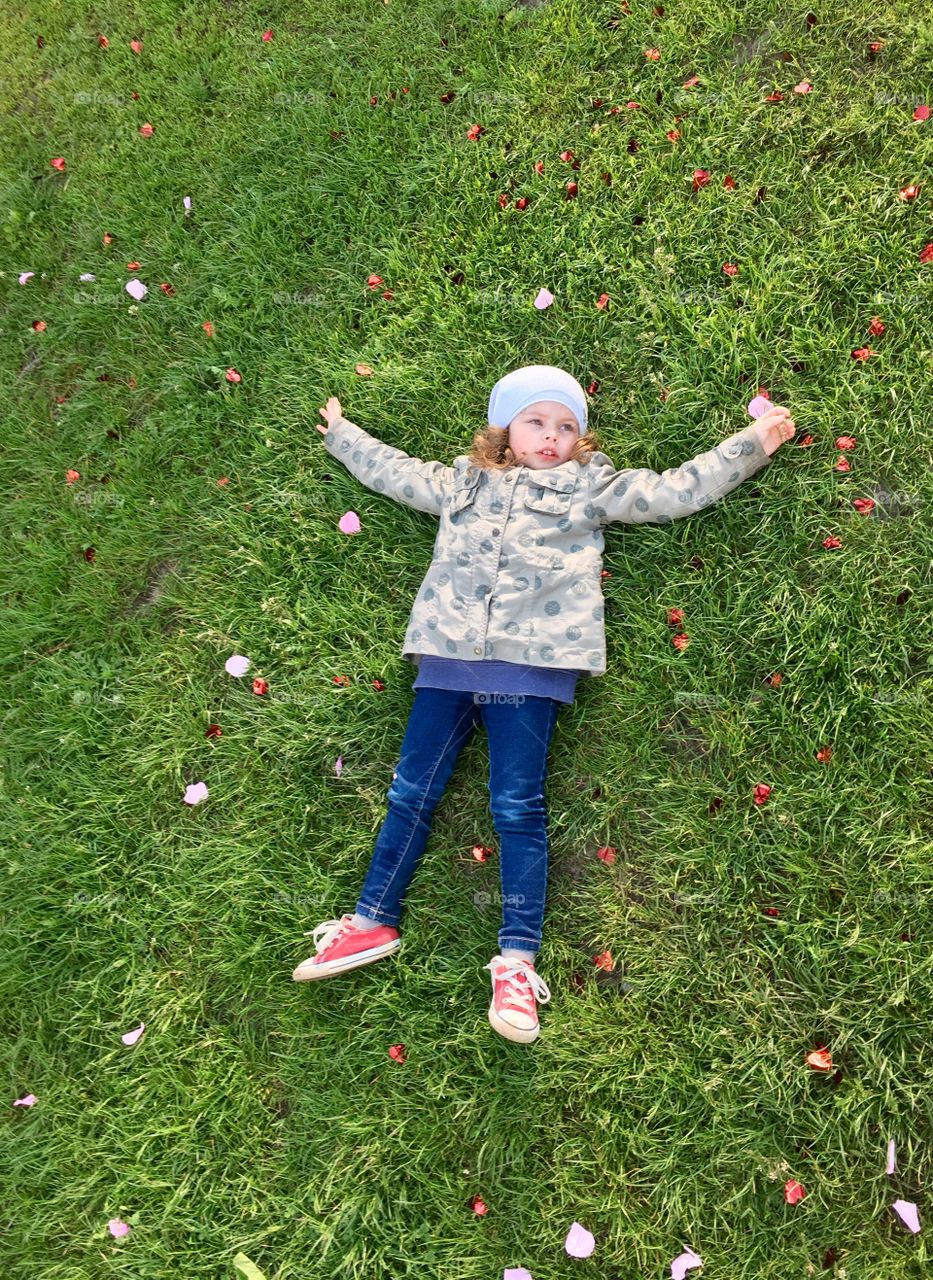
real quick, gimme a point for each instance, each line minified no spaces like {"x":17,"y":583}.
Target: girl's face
{"x":543,"y":435}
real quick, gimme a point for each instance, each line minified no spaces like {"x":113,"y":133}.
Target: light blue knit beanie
{"x":533,"y":382}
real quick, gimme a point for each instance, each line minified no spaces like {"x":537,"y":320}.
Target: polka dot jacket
{"x":515,"y":573}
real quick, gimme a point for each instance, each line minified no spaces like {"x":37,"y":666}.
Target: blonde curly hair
{"x":491,"y":449}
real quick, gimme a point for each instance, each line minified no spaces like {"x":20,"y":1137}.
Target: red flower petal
{"x":762,"y":791}
{"x":146,"y":130}
{"x":863,"y":505}
{"x":397,"y":1051}
{"x":607,"y":854}
{"x":793,"y":1191}
{"x":260,"y":687}
{"x":820,"y":1059}
{"x":922,"y":113}
{"x":213,"y":731}
{"x":58,"y":163}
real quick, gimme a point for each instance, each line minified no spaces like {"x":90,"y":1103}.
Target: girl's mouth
{"x":548,"y":453}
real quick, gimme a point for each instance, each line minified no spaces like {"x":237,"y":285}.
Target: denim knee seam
{"x":427,"y":791}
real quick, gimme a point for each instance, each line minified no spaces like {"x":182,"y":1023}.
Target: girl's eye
{"x":566,"y":424}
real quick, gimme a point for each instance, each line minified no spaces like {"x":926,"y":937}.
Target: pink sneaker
{"x":513,"y":1012}
{"x":340,"y":945}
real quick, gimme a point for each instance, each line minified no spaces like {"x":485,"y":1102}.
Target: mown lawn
{"x":668,"y":1100}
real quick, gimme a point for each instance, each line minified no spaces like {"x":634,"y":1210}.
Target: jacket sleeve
{"x":387,"y":470}
{"x":641,"y":496}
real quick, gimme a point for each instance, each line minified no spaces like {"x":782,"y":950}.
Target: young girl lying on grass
{"x":508,"y":616}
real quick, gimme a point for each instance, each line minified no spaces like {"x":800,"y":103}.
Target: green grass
{"x":665,"y":1103}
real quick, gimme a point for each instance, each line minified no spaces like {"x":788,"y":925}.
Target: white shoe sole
{"x":307,"y":971}
{"x":520,"y":1035}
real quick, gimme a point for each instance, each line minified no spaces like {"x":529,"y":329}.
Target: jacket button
{"x":495,"y":533}
{"x":477,"y":649}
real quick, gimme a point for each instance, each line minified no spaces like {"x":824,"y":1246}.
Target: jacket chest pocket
{"x":550,"y":498}
{"x":464,"y":493}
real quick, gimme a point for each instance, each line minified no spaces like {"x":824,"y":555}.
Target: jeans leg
{"x":519,"y":728}
{"x":439,"y":724}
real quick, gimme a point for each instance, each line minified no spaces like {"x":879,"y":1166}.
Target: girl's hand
{"x":330,"y":411}
{"x":774,"y":427}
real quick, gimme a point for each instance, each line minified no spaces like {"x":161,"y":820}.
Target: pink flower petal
{"x":117,"y":1227}
{"x":28,"y":1100}
{"x":187,"y":203}
{"x":237,"y":665}
{"x":758,"y":406}
{"x":580,"y":1243}
{"x":349,"y":522}
{"x":922,"y":113}
{"x":892,"y":1164}
{"x":136,"y":289}
{"x":196,"y":793}
{"x":131,"y":1037}
{"x":338,"y":767}
{"x":516,"y":1273}
{"x":25,"y":275}
{"x":906,"y":1210}
{"x":544,"y":299}
{"x":683,"y":1263}
{"x":87,"y":276}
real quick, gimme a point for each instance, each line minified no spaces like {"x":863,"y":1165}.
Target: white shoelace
{"x":516,"y":991}
{"x":325,"y":932}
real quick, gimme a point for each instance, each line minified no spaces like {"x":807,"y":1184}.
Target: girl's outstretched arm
{"x":639,"y":495}
{"x":381,"y":467}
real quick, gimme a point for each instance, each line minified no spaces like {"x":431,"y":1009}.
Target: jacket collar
{"x":568,"y":470}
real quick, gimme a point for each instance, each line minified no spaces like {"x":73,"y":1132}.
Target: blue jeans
{"x":519,"y":728}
